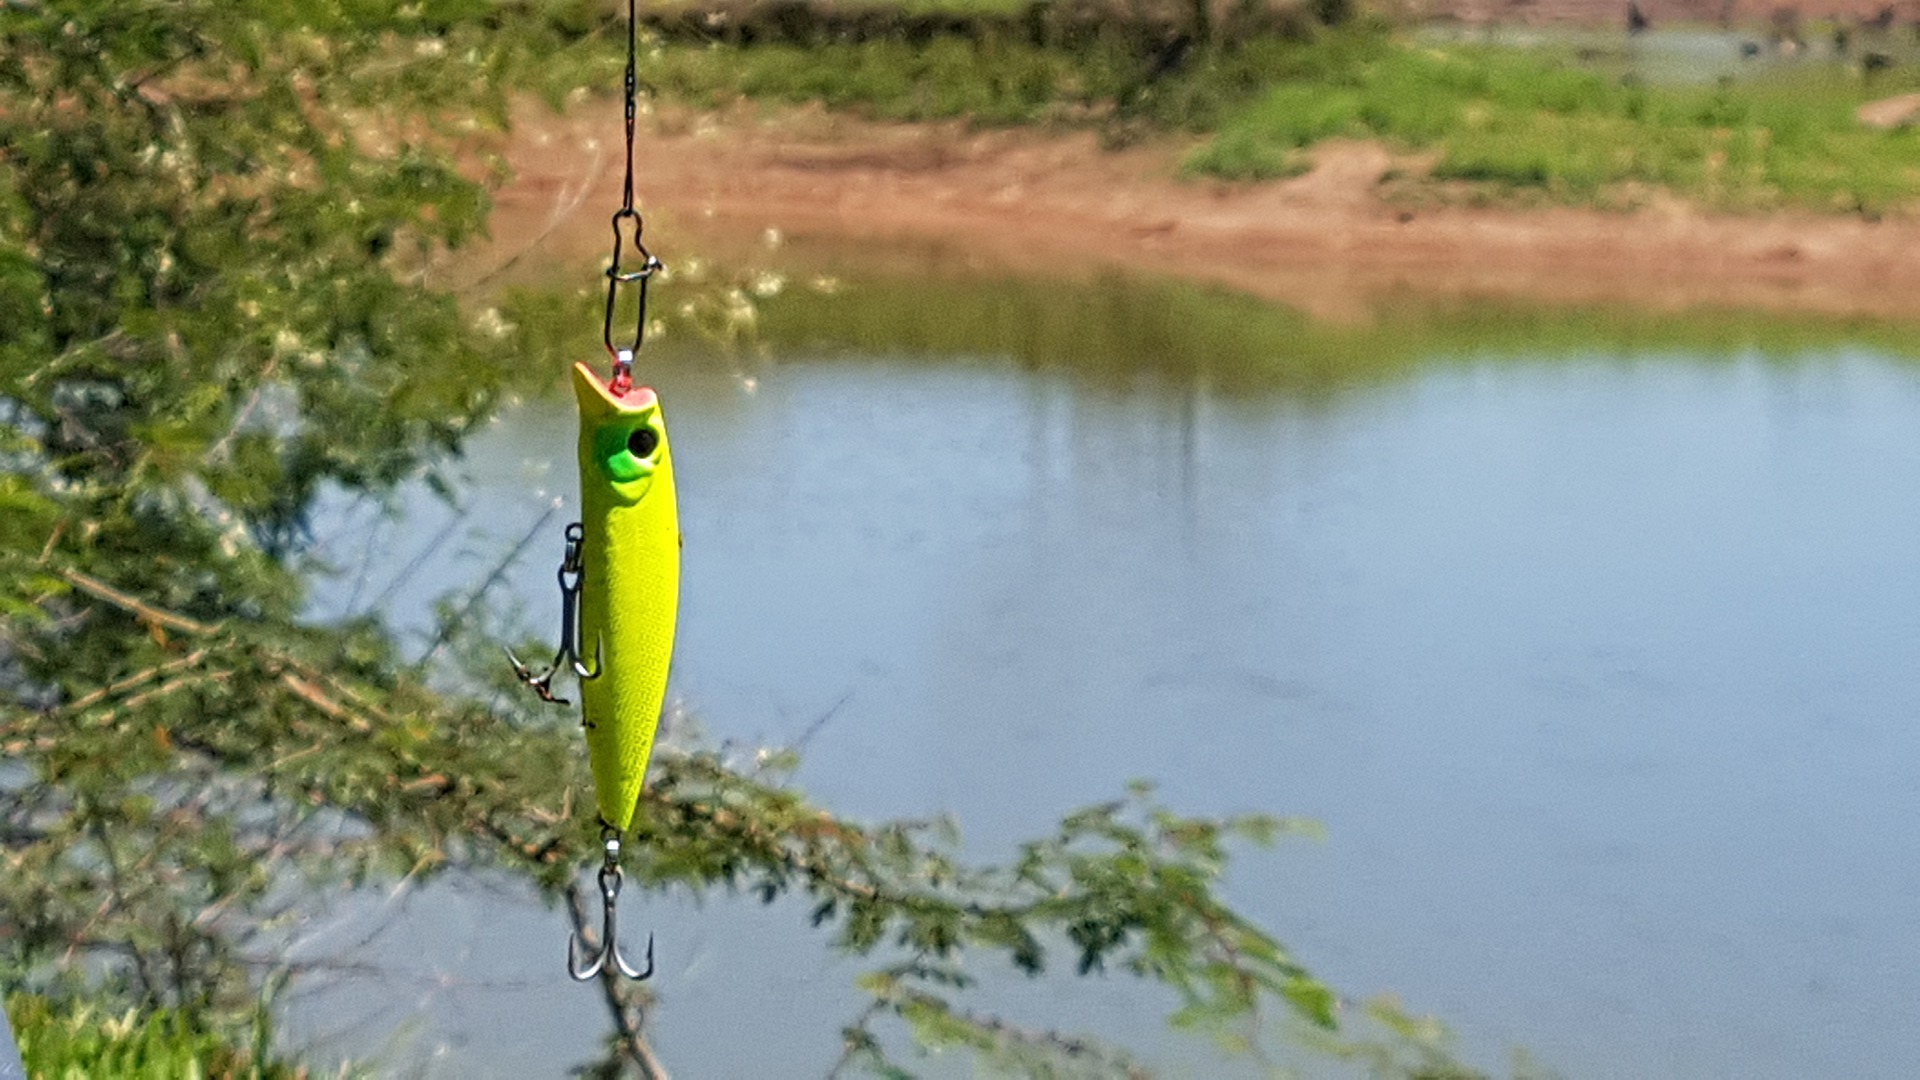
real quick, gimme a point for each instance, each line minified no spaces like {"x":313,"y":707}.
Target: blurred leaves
{"x":1126,"y":886}
{"x":61,"y":1041}
{"x":205,"y":233}
{"x":199,"y":220}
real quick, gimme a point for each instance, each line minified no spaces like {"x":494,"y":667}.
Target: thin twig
{"x":366,"y":563}
{"x":146,"y":612}
{"x":116,"y":897}
{"x":433,"y":547}
{"x":219,"y":451}
{"x":800,"y":744}
{"x":318,"y":698}
{"x":53,"y":540}
{"x":493,"y":578}
{"x":141,"y":678}
{"x":560,"y":214}
{"x":69,"y":353}
{"x":165,"y":689}
{"x":850,"y":1047}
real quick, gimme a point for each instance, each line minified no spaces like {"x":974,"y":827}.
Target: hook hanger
{"x":568,"y":655}
{"x":584,"y":968}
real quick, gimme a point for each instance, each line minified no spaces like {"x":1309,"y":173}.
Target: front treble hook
{"x":571,"y":576}
{"x":586,"y":968}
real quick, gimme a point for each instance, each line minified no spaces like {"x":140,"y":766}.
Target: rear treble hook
{"x":584,"y":968}
{"x":572,"y":574}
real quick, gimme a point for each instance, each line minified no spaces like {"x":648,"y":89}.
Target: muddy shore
{"x":1040,"y":203}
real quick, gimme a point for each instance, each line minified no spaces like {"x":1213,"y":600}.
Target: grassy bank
{"x":1499,"y":126}
{"x":1496,"y":125}
{"x":1504,"y":123}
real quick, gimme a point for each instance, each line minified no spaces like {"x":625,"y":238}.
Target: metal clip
{"x":616,"y":277}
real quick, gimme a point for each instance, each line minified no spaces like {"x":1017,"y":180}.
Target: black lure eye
{"x":643,"y":442}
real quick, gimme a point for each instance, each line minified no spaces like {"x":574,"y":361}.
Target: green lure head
{"x":623,"y":440}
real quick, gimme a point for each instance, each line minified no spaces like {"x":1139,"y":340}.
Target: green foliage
{"x":1126,"y":886}
{"x":201,"y":233}
{"x":216,"y":333}
{"x":992,"y":82}
{"x":1507,"y":121}
{"x":61,"y":1042}
{"x":154,"y":148}
{"x":989,"y":61}
{"x":208,"y":217}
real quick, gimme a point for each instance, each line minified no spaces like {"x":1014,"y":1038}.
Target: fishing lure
{"x":629,"y":582}
{"x":619,"y":591}
{"x":620,"y":578}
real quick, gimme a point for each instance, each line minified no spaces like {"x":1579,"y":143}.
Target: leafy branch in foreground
{"x":177,"y":815}
{"x":1126,"y":885}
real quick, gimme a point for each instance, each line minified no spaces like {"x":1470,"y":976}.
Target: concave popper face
{"x":626,"y":436}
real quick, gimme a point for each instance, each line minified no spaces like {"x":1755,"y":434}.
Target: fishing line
{"x":622,"y":380}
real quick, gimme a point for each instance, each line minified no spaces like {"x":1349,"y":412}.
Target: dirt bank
{"x":1031,"y":202}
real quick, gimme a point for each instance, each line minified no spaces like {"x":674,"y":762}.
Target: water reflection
{"x":1589,"y":637}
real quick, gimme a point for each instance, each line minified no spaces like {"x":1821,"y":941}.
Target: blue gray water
{"x":1598,"y":666}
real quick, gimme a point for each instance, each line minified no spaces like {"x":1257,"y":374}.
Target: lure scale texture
{"x":630,"y":583}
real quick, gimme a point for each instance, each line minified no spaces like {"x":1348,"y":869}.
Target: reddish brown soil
{"x":1031,"y":202}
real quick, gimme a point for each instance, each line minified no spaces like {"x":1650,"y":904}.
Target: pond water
{"x":1590,"y":638}
{"x":1694,"y":55}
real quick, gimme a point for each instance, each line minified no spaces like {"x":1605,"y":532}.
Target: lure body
{"x":630,"y":583}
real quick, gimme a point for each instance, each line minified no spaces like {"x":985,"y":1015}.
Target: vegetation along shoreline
{"x":1327,"y":160}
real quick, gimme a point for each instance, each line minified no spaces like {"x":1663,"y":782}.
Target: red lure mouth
{"x":620,"y":391}
{"x":636,"y":397}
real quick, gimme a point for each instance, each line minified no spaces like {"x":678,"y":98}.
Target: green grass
{"x":59,"y":1041}
{"x":999,"y":76}
{"x":1506,"y":122}
{"x":906,"y":7}
{"x":997,"y":82}
{"x":1006,"y":84}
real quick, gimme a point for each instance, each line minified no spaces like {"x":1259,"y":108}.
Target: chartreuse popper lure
{"x":620,"y":579}
{"x":630,"y":582}
{"x":619,"y":596}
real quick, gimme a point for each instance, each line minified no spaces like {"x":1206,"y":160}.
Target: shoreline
{"x":1038,"y":203}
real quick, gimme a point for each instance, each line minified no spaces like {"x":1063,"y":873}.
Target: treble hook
{"x":571,"y":576}
{"x":610,"y":877}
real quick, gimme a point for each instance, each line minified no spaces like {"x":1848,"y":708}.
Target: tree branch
{"x":147,"y":613}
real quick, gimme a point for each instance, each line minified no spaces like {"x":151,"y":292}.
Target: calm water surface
{"x":1594,"y":648}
